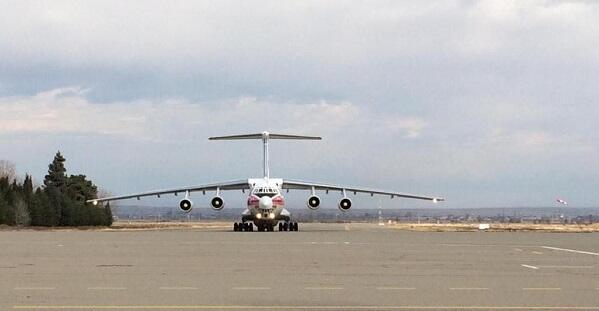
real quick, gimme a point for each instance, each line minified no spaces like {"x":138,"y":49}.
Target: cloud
{"x":474,"y":99}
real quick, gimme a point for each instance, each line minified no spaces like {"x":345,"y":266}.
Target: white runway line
{"x":323,"y":288}
{"x":34,"y":288}
{"x":570,"y":250}
{"x":251,"y":288}
{"x":537,"y":253}
{"x":541,"y":288}
{"x":106,"y":288}
{"x":395,"y":288}
{"x":529,"y":266}
{"x":178,"y":288}
{"x":468,"y":288}
{"x":567,"y":267}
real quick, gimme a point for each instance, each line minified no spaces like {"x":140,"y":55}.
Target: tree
{"x":59,"y":209}
{"x":57,"y":173}
{"x":7,"y":169}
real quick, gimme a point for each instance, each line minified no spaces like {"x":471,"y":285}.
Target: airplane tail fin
{"x":265,"y":137}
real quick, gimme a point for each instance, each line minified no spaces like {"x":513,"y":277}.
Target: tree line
{"x":60,"y":201}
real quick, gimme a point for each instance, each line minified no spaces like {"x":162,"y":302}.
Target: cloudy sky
{"x":490,"y":103}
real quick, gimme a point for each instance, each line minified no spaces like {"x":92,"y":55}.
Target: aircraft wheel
{"x":251,"y":227}
{"x":271,"y":228}
{"x":295,"y":226}
{"x":235,"y":227}
{"x":286,"y":226}
{"x":280,"y":227}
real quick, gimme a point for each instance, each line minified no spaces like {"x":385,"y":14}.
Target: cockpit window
{"x":265,"y":191}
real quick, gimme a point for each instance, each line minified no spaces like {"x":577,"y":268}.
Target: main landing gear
{"x":243,"y":226}
{"x":248,"y":226}
{"x":288,"y":226}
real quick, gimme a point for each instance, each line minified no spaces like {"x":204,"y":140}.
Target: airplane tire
{"x":285,"y":226}
{"x":280,"y":227}
{"x":235,"y":227}
{"x":251,"y":227}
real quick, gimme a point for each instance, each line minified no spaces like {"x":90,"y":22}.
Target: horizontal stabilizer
{"x":265,"y":135}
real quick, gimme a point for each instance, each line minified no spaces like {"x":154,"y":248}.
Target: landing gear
{"x":288,"y":226}
{"x":248,"y":226}
{"x":243,"y":226}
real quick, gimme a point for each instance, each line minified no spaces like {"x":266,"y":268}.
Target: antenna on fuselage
{"x":265,"y":137}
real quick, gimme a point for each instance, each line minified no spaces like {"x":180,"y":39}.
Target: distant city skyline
{"x":489,"y":103}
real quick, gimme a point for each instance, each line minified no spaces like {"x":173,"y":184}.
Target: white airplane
{"x":265,"y":204}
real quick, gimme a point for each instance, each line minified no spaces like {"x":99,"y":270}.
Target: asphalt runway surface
{"x":322,"y":267}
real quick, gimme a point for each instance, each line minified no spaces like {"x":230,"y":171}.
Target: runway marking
{"x":395,"y":288}
{"x":274,"y":307}
{"x":178,"y":288}
{"x":469,"y":288}
{"x":537,"y":253}
{"x":106,"y":288}
{"x":529,"y":266}
{"x":323,"y":288}
{"x":251,"y":288}
{"x":34,"y":288}
{"x":570,"y":250}
{"x":567,"y":267}
{"x":541,"y":288}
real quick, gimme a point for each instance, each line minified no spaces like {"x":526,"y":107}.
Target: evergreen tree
{"x":57,"y":173}
{"x":58,"y":211}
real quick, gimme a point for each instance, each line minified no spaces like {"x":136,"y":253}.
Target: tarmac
{"x":321,"y":267}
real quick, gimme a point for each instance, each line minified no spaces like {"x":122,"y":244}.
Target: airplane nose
{"x":265,"y":202}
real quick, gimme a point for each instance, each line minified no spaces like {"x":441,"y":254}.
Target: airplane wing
{"x":227,"y":185}
{"x":305,"y":185}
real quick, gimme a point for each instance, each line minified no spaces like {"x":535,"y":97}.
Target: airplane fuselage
{"x":265,"y":203}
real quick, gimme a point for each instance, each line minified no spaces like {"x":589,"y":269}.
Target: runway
{"x":322,"y":267}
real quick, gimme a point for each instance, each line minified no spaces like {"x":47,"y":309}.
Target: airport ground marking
{"x":530,"y":267}
{"x":323,"y":288}
{"x":468,"y":288}
{"x":541,"y":288}
{"x":34,"y":288}
{"x":537,"y":253}
{"x":106,"y":288}
{"x":395,"y":288}
{"x":281,"y":307}
{"x":178,"y":288}
{"x":567,"y":267}
{"x":570,"y":250}
{"x":251,"y":288}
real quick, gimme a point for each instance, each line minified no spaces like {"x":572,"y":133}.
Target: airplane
{"x":265,"y":202}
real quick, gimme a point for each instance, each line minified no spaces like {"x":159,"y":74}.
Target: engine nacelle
{"x":313,"y":202}
{"x":217,"y":203}
{"x":186,"y":205}
{"x":345,"y":204}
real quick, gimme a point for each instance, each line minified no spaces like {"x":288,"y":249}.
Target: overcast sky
{"x":490,"y":103}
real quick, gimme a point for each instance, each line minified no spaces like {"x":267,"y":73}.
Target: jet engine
{"x":313,"y":202}
{"x":217,"y":203}
{"x":345,"y":204}
{"x":185,"y":205}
